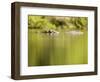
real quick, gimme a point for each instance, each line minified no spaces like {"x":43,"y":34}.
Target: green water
{"x":61,"y":49}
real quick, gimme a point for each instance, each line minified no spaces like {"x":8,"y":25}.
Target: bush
{"x":52,"y":22}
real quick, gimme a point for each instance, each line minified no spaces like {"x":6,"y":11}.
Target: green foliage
{"x":79,"y":22}
{"x":53,"y":22}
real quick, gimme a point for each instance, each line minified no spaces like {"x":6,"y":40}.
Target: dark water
{"x":60,"y":49}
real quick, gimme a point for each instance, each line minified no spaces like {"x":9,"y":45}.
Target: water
{"x":60,"y":49}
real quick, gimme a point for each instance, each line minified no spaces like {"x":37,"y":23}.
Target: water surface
{"x":57,"y":49}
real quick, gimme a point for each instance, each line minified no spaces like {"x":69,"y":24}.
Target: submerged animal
{"x":51,"y":31}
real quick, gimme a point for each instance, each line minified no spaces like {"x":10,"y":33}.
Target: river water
{"x":57,"y":49}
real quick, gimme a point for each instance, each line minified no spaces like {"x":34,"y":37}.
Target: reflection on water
{"x":62,"y":49}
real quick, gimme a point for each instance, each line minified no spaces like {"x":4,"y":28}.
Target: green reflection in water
{"x":62,"y":49}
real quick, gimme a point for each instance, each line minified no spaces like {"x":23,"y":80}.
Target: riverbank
{"x":51,"y":31}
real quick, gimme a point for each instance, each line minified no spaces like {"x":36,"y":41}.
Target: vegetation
{"x":57,"y":23}
{"x":56,"y":40}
